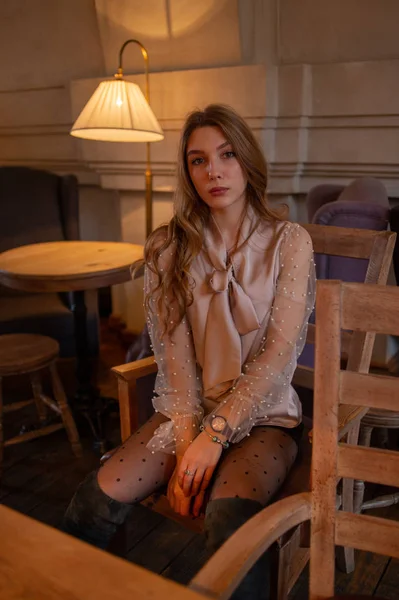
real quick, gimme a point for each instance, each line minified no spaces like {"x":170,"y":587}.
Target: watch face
{"x":218,"y":424}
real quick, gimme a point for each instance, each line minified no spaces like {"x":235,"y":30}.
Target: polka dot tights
{"x":255,"y":468}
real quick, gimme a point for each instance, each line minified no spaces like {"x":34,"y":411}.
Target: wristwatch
{"x":218,"y":423}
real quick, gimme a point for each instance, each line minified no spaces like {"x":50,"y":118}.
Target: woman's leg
{"x":104,"y":499}
{"x":247,"y":478}
{"x":132,"y":473}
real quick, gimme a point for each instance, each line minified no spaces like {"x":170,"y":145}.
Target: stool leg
{"x":37,"y":389}
{"x":1,"y":426}
{"x":69,"y":423}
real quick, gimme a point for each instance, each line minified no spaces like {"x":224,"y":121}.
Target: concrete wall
{"x":317,"y":80}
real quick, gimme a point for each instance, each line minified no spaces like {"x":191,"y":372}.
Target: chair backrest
{"x":375,"y":246}
{"x":362,"y":204}
{"x":343,"y":266}
{"x":360,"y":308}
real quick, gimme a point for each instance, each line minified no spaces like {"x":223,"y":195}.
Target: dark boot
{"x":92,"y":516}
{"x":222,"y":518}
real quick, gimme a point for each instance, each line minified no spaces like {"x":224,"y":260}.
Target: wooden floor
{"x":40,"y":477}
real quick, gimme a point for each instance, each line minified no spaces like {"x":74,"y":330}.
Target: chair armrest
{"x":128,"y":375}
{"x":136,"y":369}
{"x":228,"y":566}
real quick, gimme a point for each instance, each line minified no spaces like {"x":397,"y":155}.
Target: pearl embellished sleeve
{"x":177,"y":385}
{"x":266,"y":378}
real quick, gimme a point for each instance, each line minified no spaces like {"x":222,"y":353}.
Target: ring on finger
{"x":190,"y":473}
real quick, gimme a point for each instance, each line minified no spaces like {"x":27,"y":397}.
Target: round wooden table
{"x":72,"y":266}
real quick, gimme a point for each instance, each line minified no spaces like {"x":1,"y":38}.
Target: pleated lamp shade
{"x":117,"y":112}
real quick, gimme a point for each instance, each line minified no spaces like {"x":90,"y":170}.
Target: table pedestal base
{"x":88,"y":402}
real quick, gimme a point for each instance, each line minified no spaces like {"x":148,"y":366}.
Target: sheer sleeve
{"x":267,"y":376}
{"x":177,"y":385}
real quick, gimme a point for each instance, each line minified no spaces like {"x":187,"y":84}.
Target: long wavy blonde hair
{"x":183,"y":237}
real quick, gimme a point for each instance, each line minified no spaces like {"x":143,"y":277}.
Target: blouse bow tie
{"x":240,"y":305}
{"x":230,"y":315}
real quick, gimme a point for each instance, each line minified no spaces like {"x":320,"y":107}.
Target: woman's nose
{"x":213,"y":170}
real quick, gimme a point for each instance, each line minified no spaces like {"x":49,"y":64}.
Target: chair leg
{"x":287,"y":563}
{"x":1,"y":426}
{"x":358,"y":492}
{"x":346,"y":556}
{"x":37,"y":389}
{"x":68,"y":420}
{"x":279,"y":573}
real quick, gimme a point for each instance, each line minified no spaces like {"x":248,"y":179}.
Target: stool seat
{"x":22,"y":353}
{"x":32,"y":354}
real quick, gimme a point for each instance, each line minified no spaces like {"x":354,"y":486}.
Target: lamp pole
{"x":148,"y":170}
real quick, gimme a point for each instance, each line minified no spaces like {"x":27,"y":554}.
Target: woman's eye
{"x":229,"y":154}
{"x":197,"y":161}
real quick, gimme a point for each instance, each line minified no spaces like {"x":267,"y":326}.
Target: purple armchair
{"x":363,"y":204}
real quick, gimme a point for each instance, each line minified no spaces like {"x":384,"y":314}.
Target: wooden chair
{"x":291,"y":552}
{"x":347,"y":306}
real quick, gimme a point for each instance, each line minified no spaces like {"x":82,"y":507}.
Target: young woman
{"x":229,"y":287}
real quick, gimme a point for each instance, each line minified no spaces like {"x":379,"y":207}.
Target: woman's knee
{"x":133,"y":472}
{"x":257,"y":468}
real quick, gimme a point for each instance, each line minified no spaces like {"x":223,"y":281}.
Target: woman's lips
{"x":218,"y":191}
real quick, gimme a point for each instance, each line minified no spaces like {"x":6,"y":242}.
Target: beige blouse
{"x":240,"y":339}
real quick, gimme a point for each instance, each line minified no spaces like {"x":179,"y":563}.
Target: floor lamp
{"x":118,"y":112}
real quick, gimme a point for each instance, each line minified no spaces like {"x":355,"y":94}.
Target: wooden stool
{"x":26,"y":353}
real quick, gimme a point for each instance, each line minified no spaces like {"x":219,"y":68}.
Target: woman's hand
{"x":177,"y":500}
{"x":200,"y":460}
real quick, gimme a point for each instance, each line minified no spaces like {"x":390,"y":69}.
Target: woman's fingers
{"x":191,"y":483}
{"x":207,"y":477}
{"x":197,"y":482}
{"x":184,"y":508}
{"x":198,"y":502}
{"x":181,"y":473}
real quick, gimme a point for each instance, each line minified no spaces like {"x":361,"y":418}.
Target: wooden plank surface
{"x":361,"y":299}
{"x":38,"y":562}
{"x":368,"y":464}
{"x":161,"y":546}
{"x":372,"y":391}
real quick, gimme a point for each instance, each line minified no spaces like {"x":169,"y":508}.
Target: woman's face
{"x":214,"y":169}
